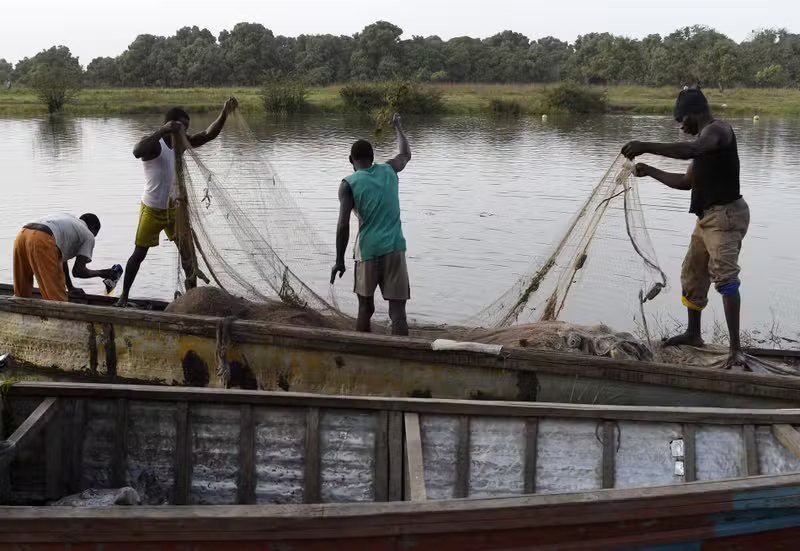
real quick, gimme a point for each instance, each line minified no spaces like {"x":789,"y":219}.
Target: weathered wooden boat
{"x":100,"y":343}
{"x":286,"y":471}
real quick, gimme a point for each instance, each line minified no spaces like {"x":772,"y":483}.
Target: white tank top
{"x":159,"y":175}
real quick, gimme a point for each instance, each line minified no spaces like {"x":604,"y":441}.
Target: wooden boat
{"x":280,"y":471}
{"x":95,"y":342}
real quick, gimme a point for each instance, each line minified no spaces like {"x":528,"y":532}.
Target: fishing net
{"x":578,"y":267}
{"x":240,"y":228}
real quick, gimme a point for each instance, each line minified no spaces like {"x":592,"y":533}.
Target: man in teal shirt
{"x":380,"y":249}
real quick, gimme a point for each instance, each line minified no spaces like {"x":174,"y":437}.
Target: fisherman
{"x":380,"y":248}
{"x":722,"y":214}
{"x":43,"y":248}
{"x":157,"y":211}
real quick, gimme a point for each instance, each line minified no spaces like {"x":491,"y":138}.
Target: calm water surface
{"x":482,"y":201}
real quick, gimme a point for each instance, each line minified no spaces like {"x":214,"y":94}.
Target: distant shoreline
{"x":459,"y":99}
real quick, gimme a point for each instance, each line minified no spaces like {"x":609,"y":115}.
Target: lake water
{"x":482,"y":200}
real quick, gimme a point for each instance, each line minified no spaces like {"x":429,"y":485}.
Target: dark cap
{"x":691,"y":101}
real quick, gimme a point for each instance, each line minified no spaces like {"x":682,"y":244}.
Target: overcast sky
{"x":92,"y":28}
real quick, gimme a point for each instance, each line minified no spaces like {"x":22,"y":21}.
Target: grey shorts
{"x":389,"y":272}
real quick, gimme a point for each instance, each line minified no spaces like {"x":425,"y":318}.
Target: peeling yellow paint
{"x":155,"y":355}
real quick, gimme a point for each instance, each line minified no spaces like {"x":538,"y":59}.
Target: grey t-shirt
{"x":72,"y":236}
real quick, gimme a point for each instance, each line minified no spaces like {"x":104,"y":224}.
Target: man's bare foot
{"x":737,"y":362}
{"x":689,"y":339}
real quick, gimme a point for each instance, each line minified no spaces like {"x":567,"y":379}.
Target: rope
{"x":223,"y":342}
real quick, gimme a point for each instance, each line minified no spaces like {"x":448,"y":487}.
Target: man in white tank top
{"x":157,"y":211}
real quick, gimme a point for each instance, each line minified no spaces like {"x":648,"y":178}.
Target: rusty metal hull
{"x":101,"y":343}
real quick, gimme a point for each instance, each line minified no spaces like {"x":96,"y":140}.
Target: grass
{"x":457,"y":99}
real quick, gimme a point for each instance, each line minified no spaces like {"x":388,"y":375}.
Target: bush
{"x":502,"y":106}
{"x":774,"y":76}
{"x":569,"y":97}
{"x":55,"y":76}
{"x":401,"y":96}
{"x":284,"y":95}
{"x":363,"y":97}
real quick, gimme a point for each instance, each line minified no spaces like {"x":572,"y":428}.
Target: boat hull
{"x":101,"y":343}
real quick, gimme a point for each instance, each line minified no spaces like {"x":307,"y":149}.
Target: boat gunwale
{"x":276,"y":522}
{"x":486,"y":408}
{"x":408,"y":348}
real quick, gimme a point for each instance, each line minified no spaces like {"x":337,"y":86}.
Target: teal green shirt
{"x":375,"y":191}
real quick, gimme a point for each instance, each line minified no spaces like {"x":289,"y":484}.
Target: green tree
{"x":6,"y":70}
{"x":377,"y":51}
{"x":774,"y":76}
{"x":102,"y":71}
{"x":249,"y":52}
{"x":55,"y":75}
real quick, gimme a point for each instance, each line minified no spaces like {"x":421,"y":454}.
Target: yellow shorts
{"x":152,"y":222}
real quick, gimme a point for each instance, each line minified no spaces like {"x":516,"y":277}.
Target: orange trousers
{"x":36,"y":254}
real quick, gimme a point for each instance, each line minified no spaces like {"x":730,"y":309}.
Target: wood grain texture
{"x":415,"y":467}
{"x":694,"y":415}
{"x":531,"y":443}
{"x":313,"y":476}
{"x":789,"y":437}
{"x":750,"y":450}
{"x":246,"y":484}
{"x":689,"y":453}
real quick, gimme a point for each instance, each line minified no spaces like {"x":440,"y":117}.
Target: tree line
{"x":249,"y":53}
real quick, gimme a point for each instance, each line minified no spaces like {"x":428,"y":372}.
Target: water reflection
{"x":57,"y":137}
{"x":482,"y":200}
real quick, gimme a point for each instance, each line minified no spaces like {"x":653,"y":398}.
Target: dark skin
{"x":81,"y":271}
{"x":711,"y":136}
{"x":149,"y":148}
{"x":366,"y":305}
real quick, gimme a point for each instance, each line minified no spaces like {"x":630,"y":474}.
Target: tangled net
{"x":240,"y":226}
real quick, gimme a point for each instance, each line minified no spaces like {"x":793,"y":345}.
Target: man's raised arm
{"x":210,"y":133}
{"x":402,"y":158}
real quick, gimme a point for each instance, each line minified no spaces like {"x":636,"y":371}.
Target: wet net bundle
{"x":239,"y":226}
{"x":243,"y":231}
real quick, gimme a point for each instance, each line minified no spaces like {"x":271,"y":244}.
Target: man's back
{"x":72,"y":236}
{"x":377,"y":201}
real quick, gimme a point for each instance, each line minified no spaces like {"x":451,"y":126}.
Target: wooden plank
{"x":609,"y":454}
{"x":246,"y":485}
{"x":92,"y":348}
{"x":517,"y":359}
{"x":689,"y":453}
{"x":382,"y":457}
{"x":531,"y":442}
{"x":415,"y":469}
{"x":313,"y":476}
{"x":36,"y":422}
{"x":55,"y":459}
{"x":462,"y":458}
{"x":577,"y":512}
{"x":750,"y":450}
{"x":396,"y":459}
{"x":183,"y":455}
{"x":5,"y":475}
{"x":110,"y":345}
{"x":77,"y":435}
{"x":789,"y":437}
{"x":694,"y":415}
{"x":119,"y":458}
